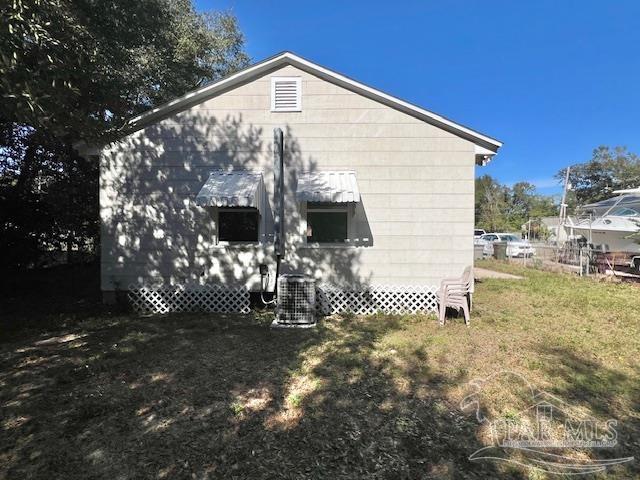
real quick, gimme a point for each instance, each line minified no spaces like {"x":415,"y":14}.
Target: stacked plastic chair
{"x":456,"y":293}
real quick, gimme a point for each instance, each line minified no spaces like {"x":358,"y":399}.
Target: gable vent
{"x":286,"y":94}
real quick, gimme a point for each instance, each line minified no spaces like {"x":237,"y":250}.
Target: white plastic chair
{"x":456,"y":293}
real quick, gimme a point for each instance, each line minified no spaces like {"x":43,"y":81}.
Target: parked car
{"x":478,"y":232}
{"x":516,"y":247}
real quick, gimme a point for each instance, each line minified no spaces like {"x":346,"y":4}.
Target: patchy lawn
{"x":100,"y":395}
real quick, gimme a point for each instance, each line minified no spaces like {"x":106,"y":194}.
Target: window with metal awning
{"x":232,"y":189}
{"x":240,"y":199}
{"x":329,"y":198}
{"x":328,"y":187}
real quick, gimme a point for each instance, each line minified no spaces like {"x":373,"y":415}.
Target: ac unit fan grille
{"x":296,"y":300}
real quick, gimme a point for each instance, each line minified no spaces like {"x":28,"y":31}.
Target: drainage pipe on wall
{"x":278,"y":204}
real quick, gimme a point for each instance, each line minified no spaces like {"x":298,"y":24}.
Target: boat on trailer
{"x":612,"y":227}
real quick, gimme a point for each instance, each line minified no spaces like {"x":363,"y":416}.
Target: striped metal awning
{"x":232,"y":189}
{"x":331,"y":187}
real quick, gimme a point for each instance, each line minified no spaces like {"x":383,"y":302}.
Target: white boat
{"x":612,"y":225}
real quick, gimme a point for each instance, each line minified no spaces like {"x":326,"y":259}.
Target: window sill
{"x":328,"y":245}
{"x":237,"y":244}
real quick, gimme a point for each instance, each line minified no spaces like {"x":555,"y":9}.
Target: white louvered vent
{"x":286,"y":94}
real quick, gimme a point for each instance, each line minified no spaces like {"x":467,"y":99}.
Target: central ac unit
{"x":296,"y":301}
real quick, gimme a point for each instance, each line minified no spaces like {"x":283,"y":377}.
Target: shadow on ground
{"x":87,"y":393}
{"x":204,"y":396}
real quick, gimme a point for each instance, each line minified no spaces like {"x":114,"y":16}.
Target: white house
{"x":378,"y":192}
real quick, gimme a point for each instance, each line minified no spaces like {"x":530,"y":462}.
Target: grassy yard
{"x":91,"y":394}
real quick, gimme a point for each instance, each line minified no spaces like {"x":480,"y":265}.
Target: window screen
{"x":327,"y":224}
{"x":238,"y":224}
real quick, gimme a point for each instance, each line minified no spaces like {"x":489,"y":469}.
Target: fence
{"x":569,"y":257}
{"x":579,"y":258}
{"x":572,"y":257}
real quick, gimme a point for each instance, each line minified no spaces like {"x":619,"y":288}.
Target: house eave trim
{"x":284,"y":58}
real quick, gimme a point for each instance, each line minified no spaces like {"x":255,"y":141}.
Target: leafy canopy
{"x":80,"y":68}
{"x":503,"y":208}
{"x":609,"y":169}
{"x":75,"y":70}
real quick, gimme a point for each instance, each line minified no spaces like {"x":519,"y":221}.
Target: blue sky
{"x":551,"y":79}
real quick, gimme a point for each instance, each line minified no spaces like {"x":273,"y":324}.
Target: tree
{"x":75,"y":70}
{"x":500,"y":207}
{"x":48,"y":198}
{"x":543,"y":206}
{"x":608,"y":170}
{"x":491,"y":204}
{"x":521,"y":201}
{"x":81,"y":68}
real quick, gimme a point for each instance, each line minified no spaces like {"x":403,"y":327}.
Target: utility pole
{"x":563,"y":203}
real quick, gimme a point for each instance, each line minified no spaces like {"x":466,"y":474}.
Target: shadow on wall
{"x":154,"y":234}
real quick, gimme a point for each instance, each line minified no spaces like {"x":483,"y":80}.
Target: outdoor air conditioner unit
{"x":296,"y":301}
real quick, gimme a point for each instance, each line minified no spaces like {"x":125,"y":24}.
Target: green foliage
{"x":48,"y":198}
{"x":237,"y":408}
{"x":74,"y":70}
{"x":500,"y":207}
{"x":295,"y":400}
{"x":491,"y":204}
{"x":609,"y":169}
{"x":81,"y":68}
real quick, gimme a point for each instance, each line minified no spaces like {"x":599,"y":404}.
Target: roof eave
{"x":209,"y":91}
{"x":205,"y":92}
{"x":395,"y":102}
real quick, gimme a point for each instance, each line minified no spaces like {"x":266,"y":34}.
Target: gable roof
{"x":487,"y":146}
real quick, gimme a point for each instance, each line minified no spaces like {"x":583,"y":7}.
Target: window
{"x":624,"y":212}
{"x":286,"y":94}
{"x":509,"y":238}
{"x":327,"y":223}
{"x":238,"y":224}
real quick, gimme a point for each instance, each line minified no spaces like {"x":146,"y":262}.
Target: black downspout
{"x":278,"y":201}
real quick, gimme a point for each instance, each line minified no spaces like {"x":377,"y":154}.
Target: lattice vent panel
{"x":377,"y":299}
{"x":180,"y":299}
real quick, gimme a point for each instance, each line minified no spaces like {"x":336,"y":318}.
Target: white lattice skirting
{"x":330,"y":299}
{"x":377,"y":299}
{"x":184,"y":299}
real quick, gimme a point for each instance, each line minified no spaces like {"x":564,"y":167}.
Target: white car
{"x":516,"y":247}
{"x":478,"y":232}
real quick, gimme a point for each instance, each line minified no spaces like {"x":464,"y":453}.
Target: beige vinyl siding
{"x":415,"y":221}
